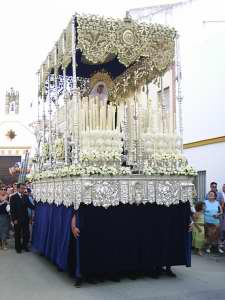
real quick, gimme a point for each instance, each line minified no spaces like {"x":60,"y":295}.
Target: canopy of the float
{"x":131,"y":53}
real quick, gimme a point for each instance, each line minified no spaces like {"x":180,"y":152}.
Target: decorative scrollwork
{"x":147,"y":49}
{"x":106,"y":192}
{"x":99,"y":37}
{"x":82,"y":83}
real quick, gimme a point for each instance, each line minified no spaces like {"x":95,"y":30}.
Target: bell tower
{"x":12,"y":102}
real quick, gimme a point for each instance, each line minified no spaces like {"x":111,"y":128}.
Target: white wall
{"x":204,"y":84}
{"x":209,"y":158}
{"x":203,"y":63}
{"x":202,"y":48}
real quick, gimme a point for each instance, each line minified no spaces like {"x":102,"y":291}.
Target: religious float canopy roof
{"x":131,"y":53}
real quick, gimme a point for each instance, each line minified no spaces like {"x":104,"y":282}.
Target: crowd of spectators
{"x":16,"y":215}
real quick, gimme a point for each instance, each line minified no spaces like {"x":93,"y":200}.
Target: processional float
{"x":110,"y":131}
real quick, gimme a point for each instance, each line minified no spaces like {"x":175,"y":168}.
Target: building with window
{"x":16,"y":138}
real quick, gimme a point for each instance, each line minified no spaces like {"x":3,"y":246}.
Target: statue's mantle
{"x":111,"y":191}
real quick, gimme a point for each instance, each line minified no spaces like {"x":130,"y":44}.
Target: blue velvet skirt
{"x":4,"y":226}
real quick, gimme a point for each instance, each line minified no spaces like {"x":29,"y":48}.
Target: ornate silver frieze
{"x":111,"y":191}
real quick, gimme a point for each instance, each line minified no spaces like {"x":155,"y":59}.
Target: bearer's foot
{"x":170,"y":273}
{"x":115,"y":278}
{"x":26,"y":249}
{"x":220,"y":251}
{"x":78,"y":282}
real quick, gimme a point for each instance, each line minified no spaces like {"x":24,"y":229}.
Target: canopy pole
{"x":163,"y":105}
{"x":43,"y":95}
{"x":56,"y":98}
{"x":76,"y":98}
{"x":38,"y":131}
{"x":65,"y":98}
{"x":56,"y":92}
{"x":50,"y":121}
{"x":179,"y":90}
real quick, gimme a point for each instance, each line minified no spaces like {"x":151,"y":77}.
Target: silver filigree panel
{"x":109,"y":191}
{"x":167,"y":192}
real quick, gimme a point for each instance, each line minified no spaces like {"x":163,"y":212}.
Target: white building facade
{"x":16,"y":138}
{"x":201,"y":27}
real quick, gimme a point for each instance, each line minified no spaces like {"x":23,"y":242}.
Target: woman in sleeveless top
{"x":213,"y":211}
{"x":4,"y":218}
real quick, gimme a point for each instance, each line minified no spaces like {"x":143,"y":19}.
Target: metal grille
{"x":200,"y":185}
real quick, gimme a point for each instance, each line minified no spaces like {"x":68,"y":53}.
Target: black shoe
{"x":92,"y":280}
{"x":114,"y":279}
{"x":170,"y":273}
{"x":26,"y":249}
{"x":101,"y":279}
{"x":155,"y":274}
{"x":18,"y":251}
{"x":78,"y":282}
{"x":132,"y":276}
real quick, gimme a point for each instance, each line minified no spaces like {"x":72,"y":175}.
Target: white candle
{"x":86,"y":114}
{"x":81,"y":118}
{"x":101,"y":118}
{"x":88,"y":117}
{"x":93,"y":115}
{"x":119,"y":114}
{"x":104,"y":116}
{"x":113,"y":117}
{"x":108,"y":117}
{"x":98,"y":112}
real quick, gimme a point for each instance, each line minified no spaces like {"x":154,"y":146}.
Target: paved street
{"x":30,"y":276}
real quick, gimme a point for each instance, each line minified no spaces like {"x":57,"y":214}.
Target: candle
{"x":101,"y":118}
{"x":94,"y":116}
{"x":113,"y":118}
{"x":88,"y":116}
{"x":81,"y":123}
{"x":86,"y":113}
{"x":104,"y":116}
{"x":119,"y":114}
{"x":98,"y":112}
{"x":108,"y":117}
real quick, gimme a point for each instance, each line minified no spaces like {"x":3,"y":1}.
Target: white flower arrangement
{"x":125,"y":171}
{"x":96,"y":140}
{"x":158,"y":142}
{"x":103,"y":170}
{"x":59,"y":149}
{"x":45,"y":151}
{"x":168,"y":164}
{"x":94,"y":156}
{"x":78,"y":170}
{"x":188,"y":171}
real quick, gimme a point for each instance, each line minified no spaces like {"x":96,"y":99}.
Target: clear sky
{"x":29,"y":29}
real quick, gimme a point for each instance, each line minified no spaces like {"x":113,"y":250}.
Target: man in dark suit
{"x":19,"y":214}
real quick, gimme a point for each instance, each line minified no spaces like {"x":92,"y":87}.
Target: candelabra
{"x":76,"y":100}
{"x":179,"y":90}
